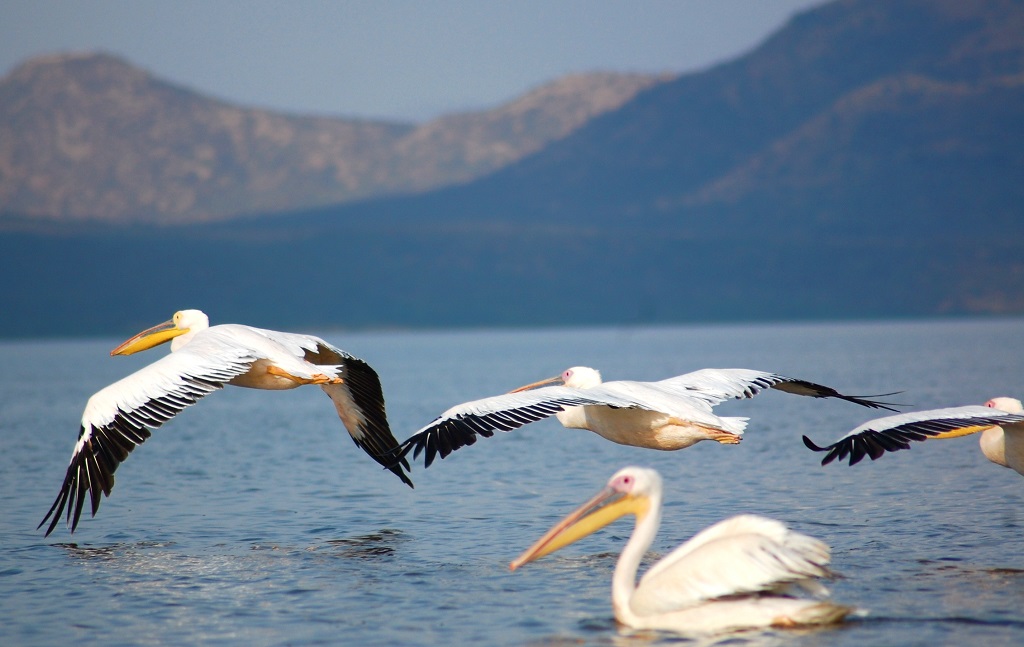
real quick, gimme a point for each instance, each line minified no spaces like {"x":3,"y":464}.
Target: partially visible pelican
{"x":1000,"y":421}
{"x":741,"y":573}
{"x":668,"y":415}
{"x":202,"y":360}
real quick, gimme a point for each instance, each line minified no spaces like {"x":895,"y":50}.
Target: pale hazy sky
{"x":401,"y":59}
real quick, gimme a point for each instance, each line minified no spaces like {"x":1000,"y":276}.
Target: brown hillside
{"x":91,"y":136}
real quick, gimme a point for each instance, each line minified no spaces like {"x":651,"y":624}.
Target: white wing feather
{"x":205,"y":358}
{"x":741,"y":555}
{"x":716,"y":385}
{"x":968,"y":416}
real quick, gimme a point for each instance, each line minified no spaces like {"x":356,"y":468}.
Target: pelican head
{"x":183,"y":322}
{"x":1009,"y":405}
{"x":577,"y":377}
{"x":632,"y":490}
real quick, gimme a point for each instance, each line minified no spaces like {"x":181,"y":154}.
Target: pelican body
{"x":667,"y":415}
{"x":204,"y":359}
{"x":741,"y":573}
{"x":1000,"y":423}
{"x":670,"y":423}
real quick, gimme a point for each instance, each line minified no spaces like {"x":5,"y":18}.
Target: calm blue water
{"x":252,"y":518}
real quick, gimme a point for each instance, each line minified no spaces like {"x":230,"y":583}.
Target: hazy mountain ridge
{"x":467,"y":145}
{"x":88,"y":136}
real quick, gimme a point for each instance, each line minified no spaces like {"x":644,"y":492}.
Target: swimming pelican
{"x":1000,"y":421}
{"x":667,"y":415}
{"x":741,"y":573}
{"x":202,"y":360}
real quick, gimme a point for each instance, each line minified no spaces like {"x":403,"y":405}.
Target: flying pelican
{"x":741,"y":573}
{"x":1000,"y":421}
{"x":668,"y":415}
{"x":202,"y":360}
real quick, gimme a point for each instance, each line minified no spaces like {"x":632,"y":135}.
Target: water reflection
{"x":605,"y":631}
{"x":110,"y":551}
{"x":380,"y":544}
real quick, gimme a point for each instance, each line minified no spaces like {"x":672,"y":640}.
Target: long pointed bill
{"x":607,"y":506}
{"x":550,"y":380}
{"x":149,"y":338}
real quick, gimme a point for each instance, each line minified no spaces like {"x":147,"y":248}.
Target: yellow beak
{"x":550,"y":380}
{"x":149,"y":338}
{"x":607,"y":506}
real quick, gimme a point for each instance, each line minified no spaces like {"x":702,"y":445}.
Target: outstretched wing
{"x":893,"y":433}
{"x":460,"y":425}
{"x":359,"y":399}
{"x":742,"y":555}
{"x":119,"y":417}
{"x":716,"y":385}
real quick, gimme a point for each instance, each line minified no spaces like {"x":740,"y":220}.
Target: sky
{"x":401,"y":60}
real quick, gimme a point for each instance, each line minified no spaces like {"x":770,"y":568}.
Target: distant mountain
{"x":88,"y":136}
{"x":855,"y":113}
{"x":866,"y":161}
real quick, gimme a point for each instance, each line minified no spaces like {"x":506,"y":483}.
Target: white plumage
{"x":742,"y":573}
{"x":667,"y":415}
{"x":203,"y":360}
{"x":1000,"y":422}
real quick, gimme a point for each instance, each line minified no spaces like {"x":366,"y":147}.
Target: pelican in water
{"x":667,"y":415}
{"x":1000,"y":421}
{"x":203,"y":359}
{"x":746,"y":572}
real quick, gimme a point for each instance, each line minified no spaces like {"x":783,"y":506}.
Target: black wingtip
{"x":62,"y":502}
{"x":394,"y":461}
{"x":52,"y":518}
{"x":833,"y":450}
{"x":810,"y":445}
{"x":53,"y":522}
{"x":870,"y":401}
{"x":396,"y":457}
{"x":431,"y":452}
{"x":402,"y":475}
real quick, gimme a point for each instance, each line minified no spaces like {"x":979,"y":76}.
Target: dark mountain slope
{"x":104,"y":284}
{"x":906,"y":158}
{"x":678,"y":138}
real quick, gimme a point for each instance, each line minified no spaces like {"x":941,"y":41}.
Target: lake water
{"x":252,"y":519}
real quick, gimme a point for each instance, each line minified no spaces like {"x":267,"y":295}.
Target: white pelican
{"x":1000,"y":421}
{"x":667,"y":415}
{"x":202,"y":360}
{"x":741,"y":573}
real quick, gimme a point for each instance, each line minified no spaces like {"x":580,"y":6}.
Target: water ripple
{"x":252,"y":519}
